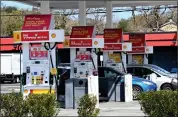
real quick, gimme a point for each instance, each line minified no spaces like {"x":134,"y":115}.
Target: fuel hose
{"x":123,"y":63}
{"x":48,"y":47}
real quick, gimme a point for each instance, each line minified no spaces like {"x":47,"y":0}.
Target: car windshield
{"x":159,"y":69}
{"x":117,"y":71}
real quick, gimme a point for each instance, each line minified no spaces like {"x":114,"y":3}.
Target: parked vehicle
{"x":165,"y":80}
{"x":139,"y":84}
{"x":10,"y":68}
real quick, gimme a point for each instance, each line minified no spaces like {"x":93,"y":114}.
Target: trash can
{"x":75,"y":88}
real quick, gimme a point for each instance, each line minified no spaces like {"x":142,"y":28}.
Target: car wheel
{"x":166,"y":87}
{"x":136,"y":90}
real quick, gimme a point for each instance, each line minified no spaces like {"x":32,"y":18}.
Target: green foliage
{"x":37,"y":105}
{"x":10,"y":9}
{"x":124,"y":25}
{"x":13,"y":105}
{"x":87,"y":106}
{"x":43,"y":105}
{"x":160,"y":103}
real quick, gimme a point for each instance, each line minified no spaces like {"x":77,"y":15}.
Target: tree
{"x":97,"y":20}
{"x":123,"y":23}
{"x":10,"y":9}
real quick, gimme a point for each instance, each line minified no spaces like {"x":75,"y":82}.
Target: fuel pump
{"x":39,"y":42}
{"x":40,"y":72}
{"x":114,"y":56}
{"x":84,"y":76}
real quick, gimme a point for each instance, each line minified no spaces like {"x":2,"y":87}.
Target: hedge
{"x":42,"y":105}
{"x":159,"y":103}
{"x":87,"y":106}
{"x":36,"y":105}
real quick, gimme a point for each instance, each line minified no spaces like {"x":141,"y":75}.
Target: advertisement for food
{"x":137,"y":59}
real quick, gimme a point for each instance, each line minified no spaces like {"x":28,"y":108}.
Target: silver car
{"x":164,"y":80}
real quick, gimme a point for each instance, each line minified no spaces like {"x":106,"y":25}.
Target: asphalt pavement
{"x":111,"y":109}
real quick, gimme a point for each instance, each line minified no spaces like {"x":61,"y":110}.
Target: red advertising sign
{"x":80,"y":43}
{"x":83,"y":55}
{"x":82,"y":32}
{"x":37,"y":22}
{"x":112,"y":35}
{"x":137,"y":39}
{"x":112,"y":47}
{"x":35,"y":36}
{"x":138,"y":50}
{"x":38,"y":53}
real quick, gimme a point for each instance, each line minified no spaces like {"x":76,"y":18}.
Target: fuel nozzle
{"x":51,"y":79}
{"x":95,"y":73}
{"x":87,"y":72}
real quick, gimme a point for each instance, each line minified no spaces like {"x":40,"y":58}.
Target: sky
{"x":116,"y":16}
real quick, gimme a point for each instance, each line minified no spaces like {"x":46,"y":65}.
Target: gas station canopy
{"x":96,"y":4}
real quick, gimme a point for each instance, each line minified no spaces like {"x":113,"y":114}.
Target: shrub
{"x":87,"y":106}
{"x":160,"y":103}
{"x":43,"y":105}
{"x":13,"y":105}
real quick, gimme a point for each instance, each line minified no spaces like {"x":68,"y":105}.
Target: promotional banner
{"x":38,"y":22}
{"x":39,"y":36}
{"x":117,"y":47}
{"x":116,"y":57}
{"x":82,"y":32}
{"x":38,"y":53}
{"x":80,"y":43}
{"x":113,"y":46}
{"x":137,"y":40}
{"x":113,"y":35}
{"x":141,"y":50}
{"x":84,"y":43}
{"x":137,"y":59}
{"x":35,"y":36}
{"x":137,"y":50}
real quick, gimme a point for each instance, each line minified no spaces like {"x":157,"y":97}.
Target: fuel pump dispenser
{"x":84,"y":73}
{"x":114,"y":56}
{"x":38,"y":55}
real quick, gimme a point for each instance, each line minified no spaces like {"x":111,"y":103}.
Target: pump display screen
{"x":37,"y":62}
{"x":82,"y":64}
